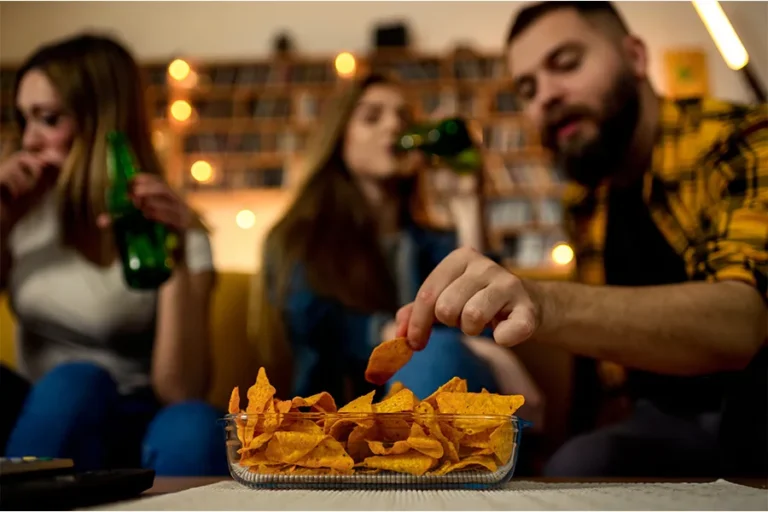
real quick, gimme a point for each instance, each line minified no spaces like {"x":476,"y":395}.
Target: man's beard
{"x":590,"y":161}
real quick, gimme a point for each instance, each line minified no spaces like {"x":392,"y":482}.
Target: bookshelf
{"x":249,"y":121}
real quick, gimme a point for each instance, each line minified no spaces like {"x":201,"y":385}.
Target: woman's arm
{"x":471,"y":229}
{"x":181,"y":358}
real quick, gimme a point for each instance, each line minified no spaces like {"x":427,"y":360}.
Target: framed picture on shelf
{"x":687,"y":74}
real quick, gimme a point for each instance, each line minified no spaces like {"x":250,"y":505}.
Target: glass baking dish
{"x":310,"y":450}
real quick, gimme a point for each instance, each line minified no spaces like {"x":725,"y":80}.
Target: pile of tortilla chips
{"x":449,"y":431}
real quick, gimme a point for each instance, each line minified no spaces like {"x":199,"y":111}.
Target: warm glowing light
{"x":201,"y":171}
{"x":245,"y":219}
{"x":562,"y":254}
{"x":345,"y":64}
{"x":722,"y":33}
{"x":181,"y":110}
{"x":179,"y":69}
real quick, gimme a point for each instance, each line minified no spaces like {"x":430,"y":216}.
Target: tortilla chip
{"x":388,"y":448}
{"x":402,"y":401}
{"x":322,"y":402}
{"x":421,"y":442}
{"x":361,"y":413}
{"x":496,"y":408}
{"x":427,"y":417}
{"x":289,"y":447}
{"x":455,"y":385}
{"x":305,"y":426}
{"x":394,"y":389}
{"x":234,"y":401}
{"x":357,"y":444}
{"x":502,"y":443}
{"x":386,"y":359}
{"x":410,"y":463}
{"x":328,"y":454}
{"x":260,"y":396}
{"x":481,"y":460}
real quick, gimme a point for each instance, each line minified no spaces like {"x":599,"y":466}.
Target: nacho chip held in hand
{"x":450,"y":431}
{"x":386,"y":360}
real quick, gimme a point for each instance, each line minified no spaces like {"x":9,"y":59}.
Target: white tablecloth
{"x":518,"y":495}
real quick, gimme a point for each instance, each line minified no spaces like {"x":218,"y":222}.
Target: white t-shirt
{"x":69,"y":309}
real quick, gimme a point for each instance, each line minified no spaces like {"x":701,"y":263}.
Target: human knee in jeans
{"x":186,"y":439}
{"x":75,"y":411}
{"x":65,"y":414}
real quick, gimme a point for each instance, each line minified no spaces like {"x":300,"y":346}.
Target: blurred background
{"x":235,"y":87}
{"x":244,"y":127}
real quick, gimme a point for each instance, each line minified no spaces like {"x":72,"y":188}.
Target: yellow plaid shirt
{"x":706,"y":190}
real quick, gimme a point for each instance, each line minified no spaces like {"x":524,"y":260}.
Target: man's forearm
{"x":684,"y":329}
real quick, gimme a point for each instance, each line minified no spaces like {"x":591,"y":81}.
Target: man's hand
{"x":469,"y":291}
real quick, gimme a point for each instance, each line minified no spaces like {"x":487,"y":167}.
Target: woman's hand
{"x":158,"y":202}
{"x":24,"y":178}
{"x":448,"y":185}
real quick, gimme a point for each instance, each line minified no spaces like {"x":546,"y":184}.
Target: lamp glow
{"x":201,"y":171}
{"x":181,"y":110}
{"x":179,"y":69}
{"x":562,"y":254}
{"x":345,"y":64}
{"x":245,"y":219}
{"x":722,"y":33}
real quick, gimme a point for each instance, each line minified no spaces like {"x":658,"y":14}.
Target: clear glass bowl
{"x":404,"y":461}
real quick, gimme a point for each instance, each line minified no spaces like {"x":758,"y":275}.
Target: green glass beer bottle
{"x":447,"y":140}
{"x":145,"y":246}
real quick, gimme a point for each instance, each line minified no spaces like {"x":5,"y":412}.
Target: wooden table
{"x":166,"y":485}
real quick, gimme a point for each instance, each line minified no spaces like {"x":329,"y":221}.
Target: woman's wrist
{"x":461,"y":204}
{"x":468,"y":219}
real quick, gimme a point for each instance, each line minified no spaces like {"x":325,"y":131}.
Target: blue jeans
{"x":75,"y":412}
{"x":444,"y":357}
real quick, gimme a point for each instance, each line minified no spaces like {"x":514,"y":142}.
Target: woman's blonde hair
{"x":102,"y":87}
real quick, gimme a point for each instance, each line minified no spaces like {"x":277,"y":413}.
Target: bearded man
{"x":667,"y":212}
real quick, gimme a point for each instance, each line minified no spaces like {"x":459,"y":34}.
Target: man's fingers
{"x":31,"y":170}
{"x":165,"y":214}
{"x":423,"y":311}
{"x":481,"y":309}
{"x":402,"y":318}
{"x":517,"y":327}
{"x":451,"y":303}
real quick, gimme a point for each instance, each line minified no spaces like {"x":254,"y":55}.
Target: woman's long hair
{"x":101,"y":85}
{"x":330,"y":230}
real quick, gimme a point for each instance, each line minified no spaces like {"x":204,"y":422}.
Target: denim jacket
{"x":331,"y":343}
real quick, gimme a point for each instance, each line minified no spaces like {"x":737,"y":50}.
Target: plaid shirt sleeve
{"x":739,"y":250}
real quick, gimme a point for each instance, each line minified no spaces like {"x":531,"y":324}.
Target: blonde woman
{"x":107,"y":375}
